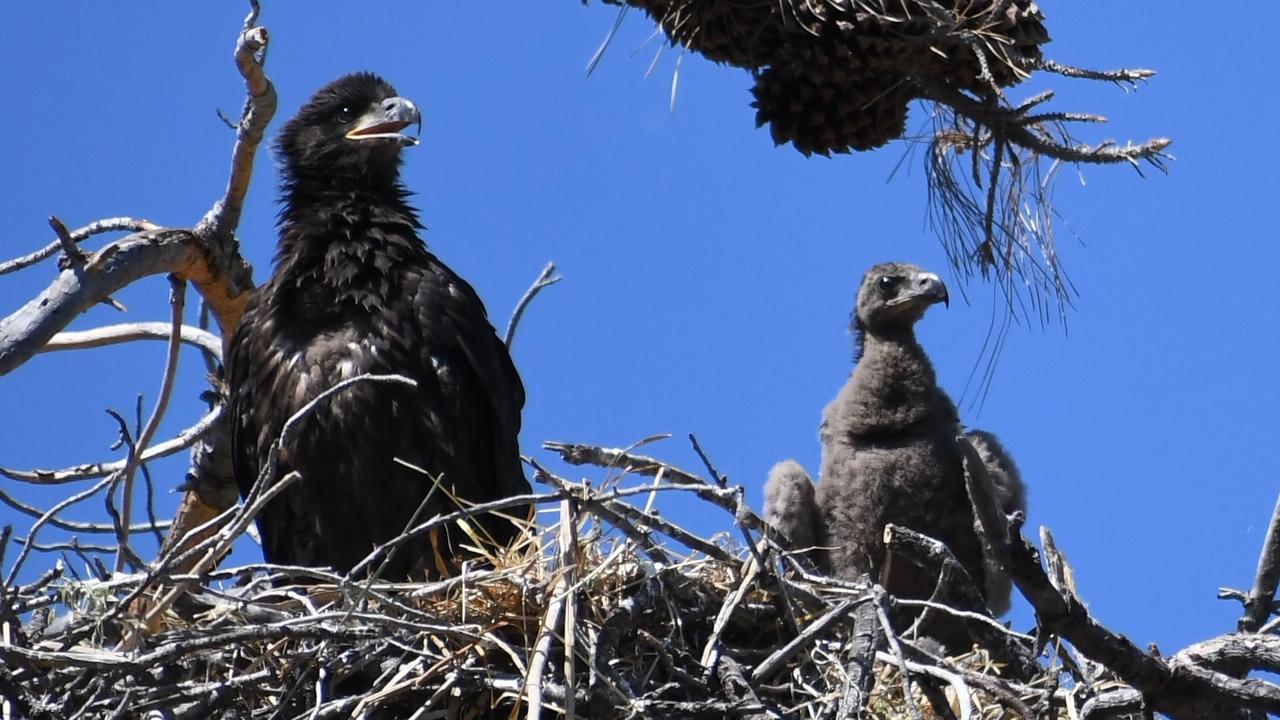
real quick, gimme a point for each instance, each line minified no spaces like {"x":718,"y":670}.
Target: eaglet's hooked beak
{"x":386,"y":120}
{"x":923,"y":288}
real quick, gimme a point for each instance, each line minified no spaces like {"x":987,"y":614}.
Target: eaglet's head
{"x":349,"y":134}
{"x":893,"y":296}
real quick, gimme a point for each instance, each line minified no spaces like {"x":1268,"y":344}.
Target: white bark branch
{"x":87,"y":471}
{"x":129,"y":332}
{"x":177,"y":300}
{"x":75,"y":290}
{"x":105,"y":225}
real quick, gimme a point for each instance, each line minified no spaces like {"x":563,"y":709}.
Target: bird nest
{"x":837,"y":76}
{"x":610,"y":611}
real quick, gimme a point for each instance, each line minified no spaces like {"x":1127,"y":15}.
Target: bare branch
{"x":227,"y":278}
{"x":555,"y":609}
{"x":129,"y":332}
{"x":69,"y":525}
{"x":1116,"y":703}
{"x":727,"y":498}
{"x":72,"y":255}
{"x":87,"y":471}
{"x":578,"y":454}
{"x":254,"y":501}
{"x":1239,"y":651}
{"x":177,"y":300}
{"x":1262,"y":598}
{"x":286,"y":432}
{"x":224,"y":217}
{"x":859,"y":667}
{"x":1021,"y":130}
{"x":545,"y":279}
{"x":955,"y":680}
{"x":1179,"y":687}
{"x":124,"y":554}
{"x":222,"y":543}
{"x":771,"y":664}
{"x":45,"y":518}
{"x":892,"y":641}
{"x":24,"y":332}
{"x":1122,"y":75}
{"x":614,"y":512}
{"x":100,"y":226}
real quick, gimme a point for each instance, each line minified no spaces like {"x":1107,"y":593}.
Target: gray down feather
{"x":889,"y":454}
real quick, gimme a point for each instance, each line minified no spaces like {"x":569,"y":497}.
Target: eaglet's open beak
{"x":386,"y":120}
{"x":922,"y":289}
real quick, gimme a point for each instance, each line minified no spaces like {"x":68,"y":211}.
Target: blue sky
{"x":708,"y":275}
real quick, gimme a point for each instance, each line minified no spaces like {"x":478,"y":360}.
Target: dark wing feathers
{"x":473,"y":370}
{"x":461,"y":423}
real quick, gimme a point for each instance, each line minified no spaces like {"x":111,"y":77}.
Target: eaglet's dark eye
{"x":346,"y":114}
{"x":888,"y":282}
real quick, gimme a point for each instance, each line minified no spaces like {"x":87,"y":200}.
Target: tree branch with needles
{"x":839,"y":77}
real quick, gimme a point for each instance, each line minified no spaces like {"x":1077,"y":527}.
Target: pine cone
{"x":822,"y":115}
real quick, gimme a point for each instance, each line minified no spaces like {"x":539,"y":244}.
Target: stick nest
{"x":597,"y":616}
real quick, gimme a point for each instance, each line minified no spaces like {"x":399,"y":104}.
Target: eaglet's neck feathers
{"x":341,"y":254}
{"x":891,"y":390}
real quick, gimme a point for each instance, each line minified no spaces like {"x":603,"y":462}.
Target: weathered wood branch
{"x":546,"y":278}
{"x":1180,"y":687}
{"x":225,"y":294}
{"x":935,"y":559}
{"x":104,"y":225}
{"x":77,"y":526}
{"x":964,"y":603}
{"x":730,"y":499}
{"x":224,"y":217}
{"x":1124,"y":76}
{"x":129,"y":332}
{"x":860,"y":666}
{"x":87,"y":471}
{"x":75,"y":290}
{"x":1261,"y":600}
{"x":176,"y":251}
{"x":206,"y":255}
{"x":812,"y":631}
{"x":1248,"y":651}
{"x":177,"y":301}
